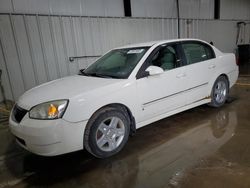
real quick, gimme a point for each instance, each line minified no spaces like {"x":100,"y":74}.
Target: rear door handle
{"x":181,"y":75}
{"x":212,"y":66}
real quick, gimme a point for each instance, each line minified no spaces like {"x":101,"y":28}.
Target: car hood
{"x":64,"y":88}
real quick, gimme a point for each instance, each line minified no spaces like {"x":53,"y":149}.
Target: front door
{"x":159,"y":94}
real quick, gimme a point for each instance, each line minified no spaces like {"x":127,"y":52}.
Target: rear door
{"x":200,"y":60}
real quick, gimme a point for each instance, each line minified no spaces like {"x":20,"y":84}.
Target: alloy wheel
{"x":110,"y":134}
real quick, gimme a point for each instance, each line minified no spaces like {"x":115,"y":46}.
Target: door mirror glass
{"x":154,"y":70}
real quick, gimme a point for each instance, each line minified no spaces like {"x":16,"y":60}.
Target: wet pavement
{"x":202,"y":147}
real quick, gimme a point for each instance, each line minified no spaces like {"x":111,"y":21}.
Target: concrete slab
{"x":202,"y":147}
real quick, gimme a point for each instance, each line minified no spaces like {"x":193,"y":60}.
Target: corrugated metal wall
{"x":35,"y":49}
{"x":37,"y":37}
{"x":191,"y":9}
{"x":223,"y":33}
{"x":112,"y":8}
{"x":235,"y":10}
{"x":195,"y":9}
{"x":167,"y":8}
{"x":154,"y":9}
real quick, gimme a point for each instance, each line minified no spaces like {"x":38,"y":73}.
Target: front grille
{"x":18,"y":113}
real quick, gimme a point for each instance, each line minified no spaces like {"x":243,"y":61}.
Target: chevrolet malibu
{"x":127,"y":88}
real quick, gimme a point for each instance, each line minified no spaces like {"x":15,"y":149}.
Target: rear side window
{"x":197,"y":52}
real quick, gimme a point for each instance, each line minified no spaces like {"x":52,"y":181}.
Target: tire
{"x":219,"y":92}
{"x":107,"y":132}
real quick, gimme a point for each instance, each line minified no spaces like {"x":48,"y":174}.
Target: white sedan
{"x":127,"y":88}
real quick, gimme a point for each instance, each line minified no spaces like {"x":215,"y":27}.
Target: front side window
{"x":197,"y":52}
{"x":117,"y":63}
{"x":166,"y":58}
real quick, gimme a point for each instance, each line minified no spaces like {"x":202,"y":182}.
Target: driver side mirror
{"x":154,"y":70}
{"x":81,"y":71}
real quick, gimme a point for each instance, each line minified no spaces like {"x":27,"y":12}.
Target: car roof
{"x":151,"y":43}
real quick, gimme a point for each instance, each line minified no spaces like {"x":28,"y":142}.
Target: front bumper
{"x":48,"y":137}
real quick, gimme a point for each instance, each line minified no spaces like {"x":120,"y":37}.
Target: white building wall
{"x":111,"y":8}
{"x":36,"y":49}
{"x":202,"y":9}
{"x":39,"y":36}
{"x":235,"y":10}
{"x":192,"y":9}
{"x":221,"y":32}
{"x":197,"y":9}
{"x":5,"y":6}
{"x":154,"y":9}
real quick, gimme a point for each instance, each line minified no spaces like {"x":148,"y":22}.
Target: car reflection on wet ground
{"x":202,"y":147}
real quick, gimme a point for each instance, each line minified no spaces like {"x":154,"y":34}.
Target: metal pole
{"x":2,"y":90}
{"x":178,"y":18}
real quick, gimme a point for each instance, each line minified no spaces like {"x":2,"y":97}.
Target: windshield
{"x":117,"y":63}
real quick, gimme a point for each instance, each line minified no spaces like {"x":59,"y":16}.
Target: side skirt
{"x":164,"y":115}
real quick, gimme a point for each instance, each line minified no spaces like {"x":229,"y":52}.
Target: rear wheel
{"x":220,"y":92}
{"x":107,"y":132}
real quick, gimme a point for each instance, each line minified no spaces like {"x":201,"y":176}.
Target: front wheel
{"x":107,"y":132}
{"x":219,"y":92}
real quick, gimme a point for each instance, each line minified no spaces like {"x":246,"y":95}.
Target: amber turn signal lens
{"x":52,"y":111}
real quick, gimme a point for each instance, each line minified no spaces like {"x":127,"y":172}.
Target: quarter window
{"x":197,"y":52}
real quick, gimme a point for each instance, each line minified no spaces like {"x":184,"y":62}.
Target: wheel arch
{"x":211,"y":84}
{"x":213,"y":102}
{"x":226,"y":76}
{"x":123,"y":108}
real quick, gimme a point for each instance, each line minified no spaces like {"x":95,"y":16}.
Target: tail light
{"x":237,"y":61}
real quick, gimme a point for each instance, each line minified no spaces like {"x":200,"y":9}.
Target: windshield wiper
{"x":94,"y":74}
{"x":99,"y":75}
{"x":81,"y":72}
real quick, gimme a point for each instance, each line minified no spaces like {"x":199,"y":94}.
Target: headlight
{"x":49,"y":110}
